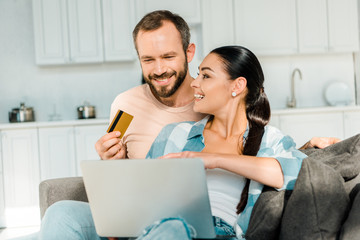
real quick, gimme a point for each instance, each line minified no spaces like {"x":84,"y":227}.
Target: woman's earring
{"x":233,"y":94}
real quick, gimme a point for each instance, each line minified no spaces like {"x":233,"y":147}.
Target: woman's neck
{"x":230,"y":123}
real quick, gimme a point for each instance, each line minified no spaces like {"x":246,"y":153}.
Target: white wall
{"x":66,"y":87}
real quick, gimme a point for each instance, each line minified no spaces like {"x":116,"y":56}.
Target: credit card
{"x":120,"y":122}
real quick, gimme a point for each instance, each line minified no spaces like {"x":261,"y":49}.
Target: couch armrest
{"x":54,"y":190}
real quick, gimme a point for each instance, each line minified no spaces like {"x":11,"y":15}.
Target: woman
{"x":240,"y":152}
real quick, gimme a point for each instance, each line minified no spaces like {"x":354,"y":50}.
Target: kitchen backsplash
{"x":318,"y":72}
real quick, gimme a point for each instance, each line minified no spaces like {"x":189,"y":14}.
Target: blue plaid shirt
{"x":188,"y":136}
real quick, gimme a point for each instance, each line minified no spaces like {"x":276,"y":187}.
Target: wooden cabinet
{"x":57,"y":152}
{"x":21,"y":172}
{"x":67,"y":31}
{"x":86,"y":137}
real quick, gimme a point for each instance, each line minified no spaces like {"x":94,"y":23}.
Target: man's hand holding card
{"x":111,"y":146}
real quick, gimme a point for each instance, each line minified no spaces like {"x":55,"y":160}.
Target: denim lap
{"x":168,"y":228}
{"x":222,"y":228}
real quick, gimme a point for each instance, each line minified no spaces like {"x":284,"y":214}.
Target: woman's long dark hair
{"x":241,"y":62}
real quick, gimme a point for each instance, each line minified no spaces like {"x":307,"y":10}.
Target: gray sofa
{"x":323,"y":205}
{"x":54,"y":190}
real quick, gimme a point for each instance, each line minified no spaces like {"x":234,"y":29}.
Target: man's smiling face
{"x":163,"y":60}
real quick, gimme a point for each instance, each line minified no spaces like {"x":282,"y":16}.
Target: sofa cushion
{"x":351,"y":229}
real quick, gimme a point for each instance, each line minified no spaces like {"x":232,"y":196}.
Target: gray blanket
{"x":325,"y":202}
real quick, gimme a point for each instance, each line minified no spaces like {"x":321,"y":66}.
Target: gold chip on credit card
{"x":120,"y":122}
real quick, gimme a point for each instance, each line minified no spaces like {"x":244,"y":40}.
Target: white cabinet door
{"x":302,"y":127}
{"x":51,"y":32}
{"x":351,"y":123}
{"x":57,"y":152}
{"x":275,"y":121}
{"x":343,"y":25}
{"x":313,"y":27}
{"x":67,"y":31}
{"x":85,"y":31}
{"x":86,"y":137}
{"x":2,"y":198}
{"x":328,"y":26}
{"x":266,"y":27}
{"x":217,"y":24}
{"x":119,"y":21}
{"x":21,"y":176}
{"x":187,"y":9}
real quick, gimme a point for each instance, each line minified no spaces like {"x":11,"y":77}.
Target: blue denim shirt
{"x":188,"y":136}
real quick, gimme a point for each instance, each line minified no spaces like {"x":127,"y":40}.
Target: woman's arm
{"x":261,"y":169}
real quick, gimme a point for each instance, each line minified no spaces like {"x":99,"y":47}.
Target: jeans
{"x":68,"y":220}
{"x":73,"y":220}
{"x":178,"y":229}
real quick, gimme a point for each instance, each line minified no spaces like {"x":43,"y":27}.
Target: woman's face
{"x":212,"y":87}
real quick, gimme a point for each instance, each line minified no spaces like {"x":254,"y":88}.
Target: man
{"x":162,"y":41}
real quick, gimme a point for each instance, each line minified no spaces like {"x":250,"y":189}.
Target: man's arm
{"x":320,"y":142}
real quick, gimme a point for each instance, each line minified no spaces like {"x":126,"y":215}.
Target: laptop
{"x":126,"y":196}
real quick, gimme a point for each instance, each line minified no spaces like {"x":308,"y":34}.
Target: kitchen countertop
{"x":76,"y":122}
{"x":315,"y":109}
{"x":96,"y":121}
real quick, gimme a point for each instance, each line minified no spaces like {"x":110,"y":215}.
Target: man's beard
{"x":163,"y":91}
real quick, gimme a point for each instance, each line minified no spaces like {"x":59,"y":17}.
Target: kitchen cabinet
{"x":21,"y":173}
{"x":275,"y":121}
{"x":67,"y":31}
{"x":343,"y":25}
{"x":86,"y":137}
{"x":351,"y":123}
{"x":296,"y":26}
{"x":187,"y":9}
{"x":327,"y":26}
{"x":119,"y":22}
{"x":303,"y":124}
{"x":266,"y":27}
{"x":2,"y":199}
{"x":57,"y":152}
{"x":302,"y":127}
{"x":63,"y":148}
{"x":313,"y":27}
{"x":217,"y":24}
{"x":32,"y":152}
